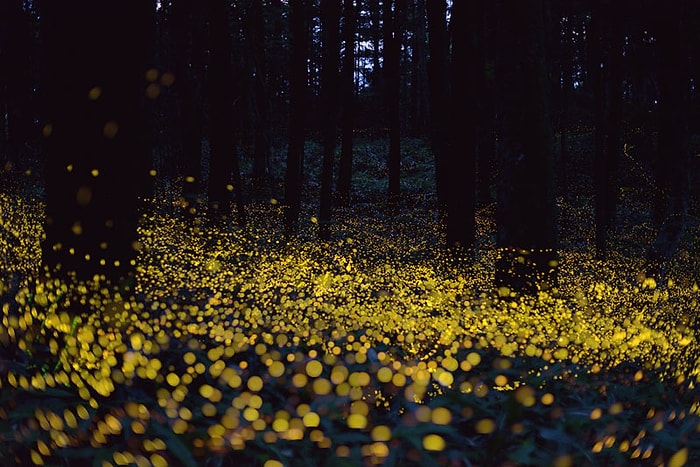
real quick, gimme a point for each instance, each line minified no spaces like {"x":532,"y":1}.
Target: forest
{"x":349,"y":232}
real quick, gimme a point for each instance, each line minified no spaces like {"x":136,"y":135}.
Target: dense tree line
{"x":196,"y":91}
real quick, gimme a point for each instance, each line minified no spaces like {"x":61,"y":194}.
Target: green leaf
{"x":522,"y":455}
{"x":557,"y":436}
{"x":350,"y":437}
{"x":175,"y":445}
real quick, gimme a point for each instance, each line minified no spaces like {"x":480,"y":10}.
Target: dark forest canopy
{"x":226,"y":96}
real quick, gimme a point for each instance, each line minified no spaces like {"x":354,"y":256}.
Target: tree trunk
{"x":673,"y":149}
{"x":613,"y":148}
{"x":330,"y":64}
{"x":567,"y":87}
{"x":461,"y":154}
{"x":486,"y":140}
{"x":17,"y":133}
{"x":187,"y":21}
{"x":606,"y":41}
{"x":297,"y":114}
{"x":597,"y":74}
{"x":224,"y":94}
{"x":348,"y":104}
{"x":526,"y":215}
{"x":439,"y":80}
{"x":255,"y":24}
{"x":97,"y":155}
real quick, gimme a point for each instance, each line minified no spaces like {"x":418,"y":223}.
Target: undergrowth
{"x":378,"y":348}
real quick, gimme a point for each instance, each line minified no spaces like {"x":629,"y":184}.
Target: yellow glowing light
{"x":276,"y":369}
{"x":433,"y":442}
{"x":110,"y":129}
{"x":311,"y":420}
{"x":322,"y":386}
{"x":485,"y":426}
{"x":381,"y":433}
{"x":152,"y":91}
{"x":151,"y":75}
{"x":441,"y":416}
{"x":384,"y":374}
{"x":357,"y":421}
{"x":95,"y":93}
{"x":564,"y":460}
{"x":167,"y":79}
{"x":314,"y":368}
{"x":255,"y":383}
{"x":474,"y":358}
{"x":679,"y":459}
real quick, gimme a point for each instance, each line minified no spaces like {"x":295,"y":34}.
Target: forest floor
{"x":377,"y":348}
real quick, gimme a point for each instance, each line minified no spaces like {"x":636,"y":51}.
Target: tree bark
{"x":613,"y":148}
{"x":255,"y":25}
{"x":461,"y":154}
{"x":17,"y":110}
{"x":567,"y":87}
{"x":297,"y":114}
{"x":486,"y":139}
{"x":597,"y":74}
{"x":96,"y":144}
{"x":605,"y":45}
{"x":187,"y":21}
{"x":224,"y":94}
{"x":526,"y":215}
{"x":673,"y":150}
{"x":438,"y":75}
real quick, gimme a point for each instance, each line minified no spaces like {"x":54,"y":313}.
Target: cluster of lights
{"x":221,"y":316}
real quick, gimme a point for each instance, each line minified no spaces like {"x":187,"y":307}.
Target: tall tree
{"x":392,"y":15}
{"x":526,"y":216}
{"x":224,"y":172}
{"x":673,"y":157}
{"x":348,"y":104}
{"x":255,"y":25}
{"x":484,"y":84}
{"x":566,"y":77}
{"x":606,"y":41}
{"x":596,"y":73}
{"x":16,"y":83}
{"x":439,"y":81}
{"x":330,"y":77}
{"x":297,"y":87}
{"x":462,"y":138}
{"x":186,"y":26}
{"x":96,"y":151}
